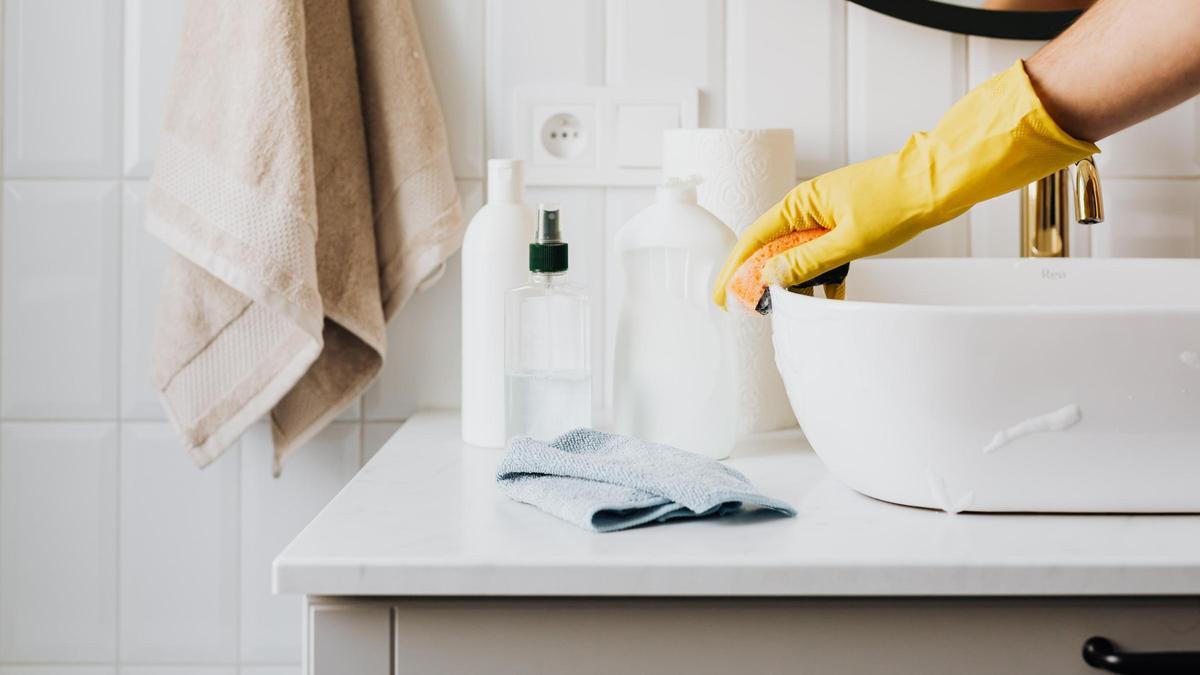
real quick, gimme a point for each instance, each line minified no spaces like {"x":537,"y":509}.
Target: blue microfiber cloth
{"x":605,"y":482}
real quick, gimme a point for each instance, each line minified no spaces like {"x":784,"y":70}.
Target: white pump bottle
{"x":495,"y":257}
{"x":673,"y":377}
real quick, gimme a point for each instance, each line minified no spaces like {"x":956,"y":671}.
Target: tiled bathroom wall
{"x":116,"y":554}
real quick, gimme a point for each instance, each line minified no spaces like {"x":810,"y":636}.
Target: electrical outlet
{"x":563,"y":135}
{"x":583,"y":135}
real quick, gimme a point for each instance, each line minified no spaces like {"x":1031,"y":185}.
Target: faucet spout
{"x":1089,"y":201}
{"x":1045,"y":230}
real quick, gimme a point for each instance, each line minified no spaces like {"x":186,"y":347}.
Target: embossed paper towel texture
{"x":745,"y":172}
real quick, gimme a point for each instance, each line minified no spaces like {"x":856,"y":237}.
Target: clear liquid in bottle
{"x":547,"y":343}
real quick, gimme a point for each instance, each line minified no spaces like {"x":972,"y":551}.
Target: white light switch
{"x":584,"y":135}
{"x":639,"y":131}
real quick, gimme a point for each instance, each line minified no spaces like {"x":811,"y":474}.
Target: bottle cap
{"x":548,"y":252}
{"x":506,"y":181}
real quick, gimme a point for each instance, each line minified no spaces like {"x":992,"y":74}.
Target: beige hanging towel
{"x":303,"y":181}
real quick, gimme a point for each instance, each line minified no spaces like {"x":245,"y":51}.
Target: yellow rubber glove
{"x":994,"y":140}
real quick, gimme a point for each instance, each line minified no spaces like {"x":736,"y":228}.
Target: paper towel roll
{"x":745,"y":171}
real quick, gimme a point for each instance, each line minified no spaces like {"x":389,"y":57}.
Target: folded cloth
{"x":605,"y":482}
{"x":303,"y":182}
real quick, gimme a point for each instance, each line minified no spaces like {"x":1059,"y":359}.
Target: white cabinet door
{"x":345,"y":639}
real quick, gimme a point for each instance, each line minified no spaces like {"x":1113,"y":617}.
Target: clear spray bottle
{"x":547,"y":354}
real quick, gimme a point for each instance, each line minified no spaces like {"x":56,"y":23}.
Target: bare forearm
{"x":1123,"y":61}
{"x":1037,"y":5}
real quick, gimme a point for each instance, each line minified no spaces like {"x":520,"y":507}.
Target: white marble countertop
{"x":423,"y":518}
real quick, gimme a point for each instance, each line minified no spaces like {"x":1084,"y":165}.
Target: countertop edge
{"x":766,"y":581}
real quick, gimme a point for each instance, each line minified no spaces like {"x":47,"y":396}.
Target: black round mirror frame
{"x":1012,"y":25}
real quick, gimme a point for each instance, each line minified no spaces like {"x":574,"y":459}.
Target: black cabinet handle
{"x":1102,"y":654}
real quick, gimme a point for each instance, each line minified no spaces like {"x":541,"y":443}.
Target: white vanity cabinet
{"x":421,"y":566}
{"x":503,"y":636}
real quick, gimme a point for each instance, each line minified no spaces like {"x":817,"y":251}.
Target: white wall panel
{"x":901,"y":79}
{"x":143,"y":261}
{"x":60,"y":288}
{"x":62,"y":88}
{"x":267,"y":670}
{"x":274,"y":510}
{"x":538,"y":42}
{"x":670,"y":42}
{"x":1148,"y":219}
{"x":786,"y":67}
{"x":990,"y":56}
{"x":58,"y":553}
{"x":178,"y":670}
{"x":57,"y":670}
{"x":452,"y":34}
{"x":1162,"y":146}
{"x":179,"y":551}
{"x":152,"y":31}
{"x":423,"y":366}
{"x":996,"y":227}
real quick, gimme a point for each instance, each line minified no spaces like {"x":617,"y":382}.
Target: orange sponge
{"x":747,"y":285}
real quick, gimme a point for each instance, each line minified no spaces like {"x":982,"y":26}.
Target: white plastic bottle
{"x":494,"y":259}
{"x":673,"y":377}
{"x":548,"y":342}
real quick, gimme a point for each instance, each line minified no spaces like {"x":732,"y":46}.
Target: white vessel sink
{"x":1003,"y":385}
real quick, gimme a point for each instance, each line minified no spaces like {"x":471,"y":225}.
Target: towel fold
{"x":303,"y":180}
{"x":605,"y":482}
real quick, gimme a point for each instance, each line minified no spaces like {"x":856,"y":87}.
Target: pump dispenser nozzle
{"x":548,"y":252}
{"x":548,"y":231}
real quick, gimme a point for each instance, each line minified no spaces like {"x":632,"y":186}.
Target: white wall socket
{"x":564,"y":135}
{"x":580,"y":135}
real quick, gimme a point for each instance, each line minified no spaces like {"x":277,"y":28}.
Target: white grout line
{"x":120,"y":338}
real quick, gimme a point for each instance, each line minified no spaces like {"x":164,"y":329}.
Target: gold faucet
{"x":1045,"y":231}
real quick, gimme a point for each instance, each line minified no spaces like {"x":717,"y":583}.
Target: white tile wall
{"x":133,"y":561}
{"x":270,"y":670}
{"x":62,"y":87}
{"x":58,"y":337}
{"x":453,"y":35}
{"x":771,"y":46}
{"x":178,"y":670}
{"x":670,"y":42}
{"x":1156,"y":218}
{"x":152,"y":29}
{"x":888,"y":98}
{"x":537,"y":42}
{"x":143,"y":260}
{"x":57,"y":670}
{"x":58,"y":559}
{"x":179,"y":535}
{"x":1163,"y":147}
